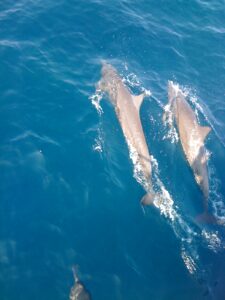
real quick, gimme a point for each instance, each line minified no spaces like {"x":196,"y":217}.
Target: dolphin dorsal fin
{"x":138,"y":100}
{"x":204,"y":131}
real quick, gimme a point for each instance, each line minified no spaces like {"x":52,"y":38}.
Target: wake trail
{"x":182,"y":228}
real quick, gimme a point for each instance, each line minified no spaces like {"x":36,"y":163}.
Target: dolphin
{"x":78,"y":291}
{"x":127,"y":108}
{"x":192,"y":136}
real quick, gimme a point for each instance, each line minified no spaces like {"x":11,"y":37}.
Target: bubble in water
{"x":188,"y":261}
{"x":215,"y":198}
{"x":213,"y":241}
{"x":137,"y":172}
{"x":171,"y":134}
{"x":98,"y":145}
{"x":132,"y":80}
{"x":96,"y":99}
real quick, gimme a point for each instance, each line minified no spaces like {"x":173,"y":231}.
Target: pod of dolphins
{"x":191,"y":134}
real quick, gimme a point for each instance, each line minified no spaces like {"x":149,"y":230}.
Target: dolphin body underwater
{"x":192,"y":137}
{"x":78,"y":291}
{"x":127,"y":107}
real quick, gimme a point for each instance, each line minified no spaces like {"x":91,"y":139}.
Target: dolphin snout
{"x":172,"y":90}
{"x":99,"y":86}
{"x":170,"y":84}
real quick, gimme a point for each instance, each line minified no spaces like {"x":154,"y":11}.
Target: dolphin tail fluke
{"x":148,"y":199}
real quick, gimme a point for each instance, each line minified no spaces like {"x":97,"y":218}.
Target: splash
{"x":176,"y":88}
{"x":98,"y":145}
{"x":162,"y":200}
{"x":212,"y":240}
{"x":171,"y":134}
{"x":137,"y":168}
{"x":99,"y":142}
{"x":188,"y":261}
{"x":96,"y":99}
{"x":216,"y":199}
{"x":181,"y":227}
{"x":168,"y":119}
{"x":165,"y":203}
{"x":132,"y":80}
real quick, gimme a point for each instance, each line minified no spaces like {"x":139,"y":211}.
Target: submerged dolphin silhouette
{"x":192,"y":137}
{"x":127,"y":108}
{"x":78,"y":291}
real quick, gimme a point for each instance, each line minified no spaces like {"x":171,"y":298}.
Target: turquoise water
{"x":68,"y":194}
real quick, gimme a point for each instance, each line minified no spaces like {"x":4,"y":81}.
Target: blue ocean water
{"x":68,"y":195}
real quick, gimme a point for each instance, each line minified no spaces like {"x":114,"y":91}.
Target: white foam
{"x":137,"y":169}
{"x":215,"y":198}
{"x":147,"y":92}
{"x":212,"y":239}
{"x":181,"y":228}
{"x":188,"y":261}
{"x":165,"y":204}
{"x":172,"y":133}
{"x":163,"y":201}
{"x":97,"y":146}
{"x":176,"y":88}
{"x":133,"y":81}
{"x":96,"y":99}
